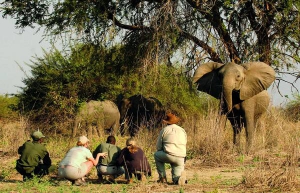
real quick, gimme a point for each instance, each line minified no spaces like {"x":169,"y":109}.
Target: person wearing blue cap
{"x":34,"y":158}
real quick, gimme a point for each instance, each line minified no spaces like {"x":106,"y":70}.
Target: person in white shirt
{"x":171,"y":148}
{"x":78,"y":162}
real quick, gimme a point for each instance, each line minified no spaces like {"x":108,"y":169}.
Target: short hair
{"x":111,"y":139}
{"x":79,"y":143}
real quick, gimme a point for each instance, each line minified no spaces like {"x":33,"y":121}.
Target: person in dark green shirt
{"x":108,"y":165}
{"x":34,"y":157}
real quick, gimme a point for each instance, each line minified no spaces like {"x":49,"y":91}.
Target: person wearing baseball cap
{"x":78,"y":162}
{"x":34,"y":158}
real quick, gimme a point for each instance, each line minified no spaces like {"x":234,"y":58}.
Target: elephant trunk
{"x":228,"y":87}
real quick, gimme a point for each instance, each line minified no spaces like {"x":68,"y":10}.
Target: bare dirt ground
{"x":201,"y":178}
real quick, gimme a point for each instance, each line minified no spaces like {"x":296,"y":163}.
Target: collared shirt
{"x":112,"y":150}
{"x":172,"y":139}
{"x":31,"y":155}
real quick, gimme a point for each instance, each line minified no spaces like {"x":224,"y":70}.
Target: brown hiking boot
{"x":182,"y":179}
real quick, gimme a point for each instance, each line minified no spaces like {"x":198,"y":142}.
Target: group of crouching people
{"x":110,"y":161}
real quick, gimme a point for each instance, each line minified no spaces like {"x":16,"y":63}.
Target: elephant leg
{"x":250,"y":125}
{"x":89,"y":130}
{"x":237,"y":125}
{"x":99,"y":128}
{"x":134,"y":126}
{"x":74,"y":131}
{"x":115,"y":128}
{"x":133,"y":130}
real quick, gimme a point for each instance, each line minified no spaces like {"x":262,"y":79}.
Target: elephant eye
{"x":238,"y":77}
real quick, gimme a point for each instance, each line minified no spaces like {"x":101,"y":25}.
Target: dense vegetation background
{"x":128,"y":47}
{"x":152,"y":48}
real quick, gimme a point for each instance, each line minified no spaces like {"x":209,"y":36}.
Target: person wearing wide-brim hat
{"x":34,"y":157}
{"x":171,"y":148}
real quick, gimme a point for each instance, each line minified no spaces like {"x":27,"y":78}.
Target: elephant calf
{"x":104,"y":114}
{"x":138,"y":111}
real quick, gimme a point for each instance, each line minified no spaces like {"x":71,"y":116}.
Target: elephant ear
{"x":207,"y":79}
{"x":258,"y":77}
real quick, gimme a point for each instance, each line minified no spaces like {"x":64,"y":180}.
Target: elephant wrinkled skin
{"x":104,"y":114}
{"x":242,"y":90}
{"x":138,"y":111}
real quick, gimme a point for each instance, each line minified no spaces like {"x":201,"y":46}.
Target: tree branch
{"x":213,"y":55}
{"x":216,"y":21}
{"x":128,"y":27}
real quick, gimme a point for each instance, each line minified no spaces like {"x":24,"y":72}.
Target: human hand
{"x":104,"y":154}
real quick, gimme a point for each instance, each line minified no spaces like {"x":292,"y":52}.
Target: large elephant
{"x":105,"y":115}
{"x":138,"y":111}
{"x":242,"y":90}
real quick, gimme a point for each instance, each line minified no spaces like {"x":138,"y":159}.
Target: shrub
{"x":8,"y":107}
{"x":293,"y":109}
{"x":62,"y":80}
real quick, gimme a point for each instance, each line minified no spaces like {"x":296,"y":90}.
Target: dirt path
{"x":200,"y":179}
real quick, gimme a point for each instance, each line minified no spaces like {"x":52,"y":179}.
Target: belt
{"x":65,"y":166}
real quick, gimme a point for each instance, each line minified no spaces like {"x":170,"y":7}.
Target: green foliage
{"x":171,"y":87}
{"x":61,"y":81}
{"x":8,"y":107}
{"x":293,"y":109}
{"x":221,"y":31}
{"x":174,"y":89}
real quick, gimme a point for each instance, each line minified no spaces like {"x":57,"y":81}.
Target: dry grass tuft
{"x":272,"y":176}
{"x":12,"y":134}
{"x":272,"y":165}
{"x":277,"y":155}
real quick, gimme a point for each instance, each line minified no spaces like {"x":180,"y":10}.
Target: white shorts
{"x":71,"y":172}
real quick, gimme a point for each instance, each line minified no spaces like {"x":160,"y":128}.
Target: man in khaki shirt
{"x":171,"y":148}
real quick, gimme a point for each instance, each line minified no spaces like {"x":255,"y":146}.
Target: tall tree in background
{"x":194,"y":30}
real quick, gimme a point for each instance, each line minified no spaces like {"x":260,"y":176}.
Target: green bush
{"x":61,"y":81}
{"x":8,"y":107}
{"x":293,"y":109}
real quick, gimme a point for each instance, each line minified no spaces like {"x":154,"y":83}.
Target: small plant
{"x":181,"y":190}
{"x":5,"y":173}
{"x":231,"y":182}
{"x":256,"y":159}
{"x":195,"y":179}
{"x":215,"y":178}
{"x":241,"y":158}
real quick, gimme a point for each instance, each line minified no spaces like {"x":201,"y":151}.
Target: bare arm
{"x":96,"y":160}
